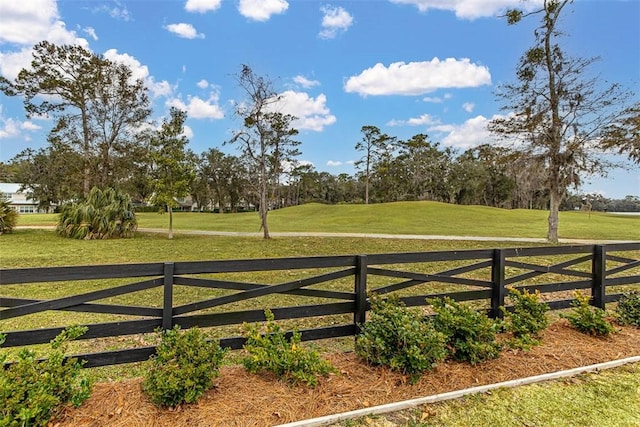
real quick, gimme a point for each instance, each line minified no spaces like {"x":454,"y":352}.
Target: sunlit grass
{"x":606,"y":399}
{"x":424,"y":218}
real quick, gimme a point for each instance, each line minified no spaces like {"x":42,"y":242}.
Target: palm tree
{"x":105,"y":214}
{"x":8,"y":217}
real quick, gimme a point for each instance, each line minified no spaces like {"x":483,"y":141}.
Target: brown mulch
{"x":243,"y":399}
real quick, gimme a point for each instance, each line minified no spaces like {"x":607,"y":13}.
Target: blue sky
{"x":406,"y":66}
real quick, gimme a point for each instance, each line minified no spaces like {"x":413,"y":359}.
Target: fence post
{"x":167,"y":306}
{"x":598,"y":273}
{"x":360,"y":289}
{"x":498,"y":283}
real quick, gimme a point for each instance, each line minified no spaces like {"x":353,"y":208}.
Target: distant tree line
{"x":558,"y":123}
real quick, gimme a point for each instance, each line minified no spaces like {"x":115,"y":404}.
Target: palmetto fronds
{"x":8,"y":217}
{"x":105,"y":214}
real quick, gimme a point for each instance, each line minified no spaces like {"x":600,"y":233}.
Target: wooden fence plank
{"x":60,"y":303}
{"x":532,"y":274}
{"x":95,"y":330}
{"x":214,"y":302}
{"x":67,"y":274}
{"x":132,"y":310}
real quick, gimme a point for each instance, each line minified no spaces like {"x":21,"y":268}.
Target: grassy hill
{"x":427,"y":218}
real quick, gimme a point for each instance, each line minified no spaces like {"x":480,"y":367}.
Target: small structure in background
{"x":19,"y":200}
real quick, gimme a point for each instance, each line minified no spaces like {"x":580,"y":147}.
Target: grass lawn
{"x":606,"y":399}
{"x":428,"y":218}
{"x":613,"y":391}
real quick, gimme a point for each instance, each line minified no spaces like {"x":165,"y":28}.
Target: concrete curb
{"x":407,"y":404}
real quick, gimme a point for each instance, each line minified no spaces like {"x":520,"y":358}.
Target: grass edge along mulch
{"x":243,"y":399}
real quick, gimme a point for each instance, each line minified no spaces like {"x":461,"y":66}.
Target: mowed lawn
{"x":423,"y":218}
{"x":37,"y":248}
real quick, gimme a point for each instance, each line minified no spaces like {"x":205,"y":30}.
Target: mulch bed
{"x":243,"y":399}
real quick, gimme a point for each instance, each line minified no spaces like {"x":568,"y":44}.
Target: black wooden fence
{"x":482,"y":275}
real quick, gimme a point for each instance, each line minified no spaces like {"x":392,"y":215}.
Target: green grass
{"x":607,"y":399}
{"x":428,"y":218}
{"x":38,"y":248}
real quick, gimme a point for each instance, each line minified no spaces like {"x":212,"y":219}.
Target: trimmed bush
{"x":628,"y":309}
{"x":106,"y":214}
{"x":586,"y":318}
{"x":527,"y":318}
{"x":34,"y":391}
{"x":270,"y":350}
{"x":183,"y":367}
{"x":399,"y":338}
{"x":8,"y":217}
{"x":471,"y":335}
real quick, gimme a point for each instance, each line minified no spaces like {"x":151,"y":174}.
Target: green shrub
{"x":399,"y":338}
{"x":183,"y":367}
{"x":105,"y":214}
{"x":527,"y":319}
{"x":628,"y":309}
{"x":471,"y":335}
{"x":8,"y":216}
{"x":588,"y":319}
{"x":34,"y":391}
{"x":272,"y":351}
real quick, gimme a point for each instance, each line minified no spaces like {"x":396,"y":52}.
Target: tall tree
{"x":559,"y":113}
{"x":266,"y":138}
{"x":374,"y":145}
{"x":624,"y":135}
{"x":173,"y":168}
{"x":96,"y":103}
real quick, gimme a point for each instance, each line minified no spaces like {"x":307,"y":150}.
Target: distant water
{"x":625,"y":213}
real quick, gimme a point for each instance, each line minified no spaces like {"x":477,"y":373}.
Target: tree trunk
{"x":170,"y":209}
{"x":554,"y":205}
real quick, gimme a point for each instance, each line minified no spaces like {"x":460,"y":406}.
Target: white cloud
{"x":91,"y":32}
{"x":30,"y":126}
{"x":334,"y":21}
{"x":334,"y":163}
{"x":437,"y":99}
{"x":261,"y":10}
{"x":468,"y":107}
{"x":11,"y":128}
{"x":203,"y":84}
{"x":471,"y":133}
{"x":25,"y":23}
{"x":471,"y":9}
{"x":139,"y":71}
{"x":187,"y":132}
{"x":186,"y":31}
{"x":198,"y":108}
{"x":312,"y":113}
{"x":417,"y":78}
{"x":423,"y":120}
{"x":202,"y":6}
{"x":12,"y":62}
{"x":119,"y":11}
{"x":305,"y":82}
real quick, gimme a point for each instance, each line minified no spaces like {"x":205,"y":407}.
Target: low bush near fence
{"x":587,"y":319}
{"x":33,"y":391}
{"x":471,"y":335}
{"x":526,"y":319}
{"x":400,"y":338}
{"x":271,"y":350}
{"x":183,"y":367}
{"x":628,"y":309}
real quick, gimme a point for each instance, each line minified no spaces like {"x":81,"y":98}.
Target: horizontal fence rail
{"x":330,"y":289}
